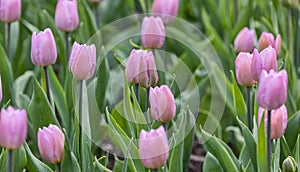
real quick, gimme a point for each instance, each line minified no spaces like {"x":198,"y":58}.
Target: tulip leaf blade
{"x":211,"y":164}
{"x":19,"y":159}
{"x":293,"y":126}
{"x":262,"y":148}
{"x":276,"y":158}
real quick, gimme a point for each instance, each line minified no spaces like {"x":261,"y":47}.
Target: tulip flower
{"x":51,"y":144}
{"x":243,"y":69}
{"x":272,"y":89}
{"x":265,"y":60}
{"x":10,"y":10}
{"x":43,"y":48}
{"x":83,"y":61}
{"x":66,"y":15}
{"x":162,"y":104}
{"x":141,"y":68}
{"x":0,"y":90}
{"x":267,"y":39}
{"x":278,"y":120}
{"x":289,"y":165}
{"x":153,"y":32}
{"x":154,"y":148}
{"x":13,"y":127}
{"x":166,"y":9}
{"x":244,"y":41}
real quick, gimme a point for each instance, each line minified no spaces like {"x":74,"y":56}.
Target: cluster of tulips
{"x":141,"y":70}
{"x":260,"y":67}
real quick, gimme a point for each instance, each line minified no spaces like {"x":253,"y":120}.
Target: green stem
{"x":269,"y":144}
{"x":296,"y":45}
{"x":236,"y":10}
{"x":147,"y":6}
{"x":80,"y":114}
{"x":147,"y":106}
{"x":138,"y":7}
{"x":59,"y":167}
{"x":47,"y":83}
{"x":67,"y":47}
{"x":289,"y":40}
{"x":96,"y":8}
{"x":10,"y":160}
{"x":249,"y":108}
{"x":137,"y":93}
{"x":8,"y":41}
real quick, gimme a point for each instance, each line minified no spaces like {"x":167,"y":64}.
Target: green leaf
{"x":238,"y":99}
{"x":211,"y":164}
{"x":34,"y":164}
{"x":19,"y":160}
{"x":40,"y":112}
{"x":276,"y":158}
{"x":293,"y":126}
{"x":217,"y":149}
{"x":250,"y":143}
{"x":99,"y":167}
{"x":262,"y":148}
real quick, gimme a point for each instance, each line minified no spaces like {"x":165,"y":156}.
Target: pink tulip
{"x":66,"y":15}
{"x":162,"y":104}
{"x":51,"y":144}
{"x":278,"y":120}
{"x":10,"y":10}
{"x":0,"y":90}
{"x":13,"y":127}
{"x":83,"y":61}
{"x":243,"y":69}
{"x":267,"y":39}
{"x":272,"y":89}
{"x":166,"y":9}
{"x":265,"y":60}
{"x":43,"y":48}
{"x":244,"y":41}
{"x":141,"y":68}
{"x":154,"y":148}
{"x":153,"y":32}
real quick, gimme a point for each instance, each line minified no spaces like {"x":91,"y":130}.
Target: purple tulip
{"x":141,"y":68}
{"x":166,"y":9}
{"x":13,"y":127}
{"x":43,"y":48}
{"x":83,"y":61}
{"x":66,"y":15}
{"x":10,"y":10}
{"x":278,"y":120}
{"x":272,"y":89}
{"x":267,"y":39}
{"x":154,"y":148}
{"x":162,"y":104}
{"x":51,"y":144}
{"x":153,"y":32}
{"x":244,"y":41}
{"x":243,"y":69}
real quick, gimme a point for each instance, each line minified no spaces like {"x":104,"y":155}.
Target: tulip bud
{"x":141,"y":68}
{"x":43,"y":48}
{"x":51,"y":144}
{"x":154,"y":148}
{"x":83,"y":61}
{"x":266,"y":60}
{"x":267,"y":39}
{"x":0,"y":90}
{"x":277,"y":44}
{"x":272,"y":89}
{"x":166,"y":9}
{"x":243,"y":69}
{"x":289,"y":165}
{"x":153,"y":32}
{"x":278,"y":120}
{"x":13,"y":127}
{"x":66,"y":15}
{"x":162,"y":104}
{"x":244,"y":41}
{"x":10,"y":10}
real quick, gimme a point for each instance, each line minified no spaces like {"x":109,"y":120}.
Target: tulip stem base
{"x":59,"y":167}
{"x":155,"y":170}
{"x":249,"y":108}
{"x":137,"y":93}
{"x":67,"y":47}
{"x":269,"y":144}
{"x":10,"y":160}
{"x":8,"y":40}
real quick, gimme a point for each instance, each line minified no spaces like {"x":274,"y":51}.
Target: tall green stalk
{"x":269,"y":143}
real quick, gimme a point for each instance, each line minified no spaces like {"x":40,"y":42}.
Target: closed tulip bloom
{"x":141,"y":68}
{"x":51,"y":144}
{"x":243,"y":69}
{"x":278,"y":120}
{"x":10,"y":10}
{"x":277,"y":44}
{"x":153,"y":32}
{"x":272,"y":89}
{"x":162,"y":104}
{"x":166,"y":9}
{"x":13,"y":127}
{"x":83,"y":61}
{"x":244,"y":41}
{"x":154,"y":148}
{"x":267,"y":39}
{"x":266,"y":60}
{"x":66,"y":15}
{"x":43,"y":48}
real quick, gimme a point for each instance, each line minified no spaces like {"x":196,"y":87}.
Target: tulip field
{"x":149,"y":86}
